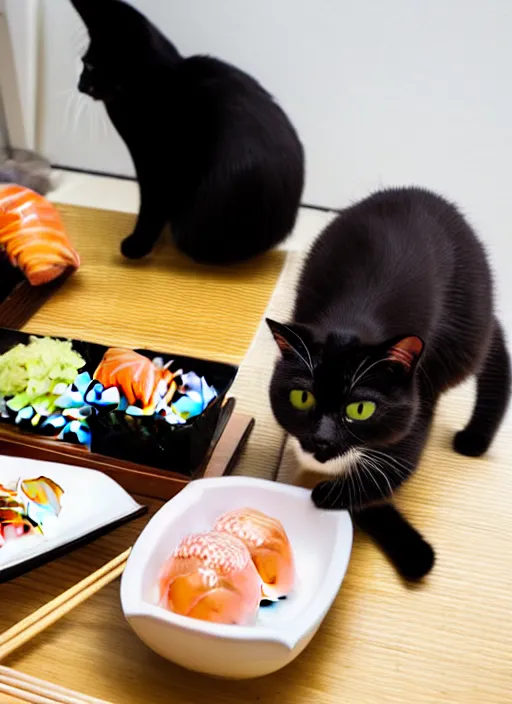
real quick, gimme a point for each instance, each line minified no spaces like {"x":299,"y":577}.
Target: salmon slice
{"x":33,"y":236}
{"x":268,"y":545}
{"x":210,"y":576}
{"x":135,"y":375}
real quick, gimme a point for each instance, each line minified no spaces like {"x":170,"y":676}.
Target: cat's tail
{"x":412,"y":556}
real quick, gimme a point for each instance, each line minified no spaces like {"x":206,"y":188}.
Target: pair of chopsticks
{"x":47,"y":615}
{"x":25,"y":688}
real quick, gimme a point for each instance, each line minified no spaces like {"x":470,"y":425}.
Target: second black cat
{"x":214,"y":154}
{"x":394,"y":307}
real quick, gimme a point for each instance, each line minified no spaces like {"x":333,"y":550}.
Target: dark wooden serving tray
{"x":231,"y":434}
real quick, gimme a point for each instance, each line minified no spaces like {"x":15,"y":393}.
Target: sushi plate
{"x":58,"y":507}
{"x":321,"y":543}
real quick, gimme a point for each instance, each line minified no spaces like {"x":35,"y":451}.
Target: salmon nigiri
{"x":210,"y":576}
{"x":33,"y":236}
{"x":268,"y":545}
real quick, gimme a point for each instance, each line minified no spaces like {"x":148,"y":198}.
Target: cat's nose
{"x":325,"y":435}
{"x":323,"y":445}
{"x":325,"y":450}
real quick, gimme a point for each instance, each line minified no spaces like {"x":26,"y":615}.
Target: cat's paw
{"x":134,"y":247}
{"x":415,"y":560}
{"x":329,"y":495}
{"x":470,"y":444}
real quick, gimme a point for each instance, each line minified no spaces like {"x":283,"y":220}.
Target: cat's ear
{"x":291,"y":341}
{"x":407,"y":352}
{"x":93,"y":11}
{"x":87,"y":9}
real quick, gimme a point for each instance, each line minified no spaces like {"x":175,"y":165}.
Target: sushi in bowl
{"x":279,"y":628}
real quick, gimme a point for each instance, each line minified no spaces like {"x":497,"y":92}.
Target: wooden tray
{"x":231,"y":434}
{"x":24,"y":300}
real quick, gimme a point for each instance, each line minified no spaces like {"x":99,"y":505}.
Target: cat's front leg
{"x":153,"y":215}
{"x":367,"y":497}
{"x":366,"y":490}
{"x":410,"y":553}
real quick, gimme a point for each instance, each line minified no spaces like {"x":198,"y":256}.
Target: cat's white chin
{"x":335,"y":467}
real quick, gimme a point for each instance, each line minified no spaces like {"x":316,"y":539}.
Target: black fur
{"x":409,"y":552}
{"x":394,"y":307}
{"x":214,"y":154}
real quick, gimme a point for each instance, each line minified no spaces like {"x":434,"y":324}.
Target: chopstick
{"x":47,"y":615}
{"x":31,"y":689}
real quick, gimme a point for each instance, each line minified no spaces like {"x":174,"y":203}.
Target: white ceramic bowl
{"x":321,"y":542}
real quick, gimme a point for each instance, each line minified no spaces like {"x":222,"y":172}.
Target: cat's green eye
{"x":302,"y":400}
{"x":362,"y":410}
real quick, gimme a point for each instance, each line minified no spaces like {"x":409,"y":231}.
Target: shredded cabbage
{"x":36,"y":368}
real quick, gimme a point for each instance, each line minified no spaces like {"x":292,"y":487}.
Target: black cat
{"x":214,"y":154}
{"x":394,"y":307}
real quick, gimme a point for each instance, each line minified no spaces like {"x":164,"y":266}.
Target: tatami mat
{"x":445,"y":641}
{"x":164,"y":302}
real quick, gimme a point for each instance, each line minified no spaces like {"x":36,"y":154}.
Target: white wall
{"x":73,"y":130}
{"x":382,"y":92}
{"x":19,"y":68}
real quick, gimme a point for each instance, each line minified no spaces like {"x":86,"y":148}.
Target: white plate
{"x":91,"y":502}
{"x":321,"y":542}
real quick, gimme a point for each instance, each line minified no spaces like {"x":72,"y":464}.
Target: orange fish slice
{"x":135,"y":375}
{"x":268,"y":545}
{"x":33,"y":236}
{"x":210,"y":576}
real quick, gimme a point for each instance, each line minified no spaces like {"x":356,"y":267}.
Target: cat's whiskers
{"x":309,"y":364}
{"x":347,"y":482}
{"x":398,"y":472}
{"x":354,"y":375}
{"x":372,"y":462}
{"x":92,"y":126}
{"x":405,"y":467}
{"x":100,"y":121}
{"x":336,"y":484}
{"x":356,"y":437}
{"x":78,"y":112}
{"x":359,"y":483}
{"x":90,"y":110}
{"x":422,"y":371}
{"x":365,"y":372}
{"x":81,"y":106}
{"x":71,"y":97}
{"x":366,"y":470}
{"x":385,"y":467}
{"x":104,"y":122}
{"x":350,"y":479}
